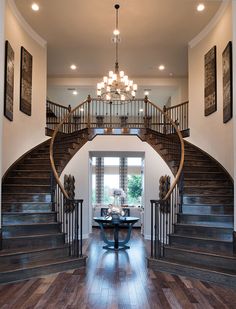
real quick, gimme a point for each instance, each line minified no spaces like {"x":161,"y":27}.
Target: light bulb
{"x":105,"y":79}
{"x":146,"y":93}
{"x":133,"y":93}
{"x":116,"y":32}
{"x":99,"y":87}
{"x":108,"y":88}
{"x":122,"y":97}
{"x":108,"y":97}
{"x":114,"y":77}
{"x":135,"y":87}
{"x":110,"y":81}
{"x":110,"y":73}
{"x":200,"y":7}
{"x":122,"y":74}
{"x":161,"y":67}
{"x":35,"y":7}
{"x":75,"y":92}
{"x":131,"y":83}
{"x":99,"y":92}
{"x":73,"y":67}
{"x":102,"y":85}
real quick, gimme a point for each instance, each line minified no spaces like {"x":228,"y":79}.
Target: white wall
{"x":210,"y":133}
{"x":24,"y":132}
{"x":160,"y":89}
{"x":234,"y":97}
{"x":2,"y":39}
{"x":154,"y":168}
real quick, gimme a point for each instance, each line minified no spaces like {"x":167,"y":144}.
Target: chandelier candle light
{"x":116,"y":85}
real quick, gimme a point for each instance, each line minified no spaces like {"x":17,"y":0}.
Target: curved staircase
{"x":202,"y":242}
{"x":33,"y":243}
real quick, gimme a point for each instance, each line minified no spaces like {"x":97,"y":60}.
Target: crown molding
{"x":34,"y":35}
{"x":198,"y":38}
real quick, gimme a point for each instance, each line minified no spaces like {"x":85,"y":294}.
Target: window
{"x":116,"y":172}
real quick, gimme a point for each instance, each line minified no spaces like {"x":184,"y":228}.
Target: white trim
{"x":147,"y":237}
{"x":210,"y":25}
{"x":34,"y":35}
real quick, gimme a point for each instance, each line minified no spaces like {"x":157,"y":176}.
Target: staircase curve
{"x":34,"y":241}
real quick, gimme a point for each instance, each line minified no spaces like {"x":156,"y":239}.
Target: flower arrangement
{"x":116,"y":209}
{"x":118,"y":192}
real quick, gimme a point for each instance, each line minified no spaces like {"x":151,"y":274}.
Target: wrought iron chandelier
{"x":116,"y":85}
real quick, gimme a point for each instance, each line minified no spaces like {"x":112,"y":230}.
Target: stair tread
{"x":203,"y":226}
{"x":28,"y":213}
{"x":18,"y":251}
{"x":205,"y":215}
{"x":216,"y":270}
{"x":24,"y":185}
{"x":31,"y":224}
{"x":224,"y":254}
{"x":33,"y":236}
{"x":200,"y":238}
{"x":40,"y":264}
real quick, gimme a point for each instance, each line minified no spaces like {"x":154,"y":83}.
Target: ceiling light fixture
{"x":73,"y":67}
{"x":75,"y":92}
{"x":161,"y":67}
{"x":116,"y":85}
{"x":35,"y":7}
{"x":200,"y":7}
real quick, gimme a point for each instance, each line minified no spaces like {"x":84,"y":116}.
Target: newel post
{"x":69,"y":119}
{"x":89,"y":120}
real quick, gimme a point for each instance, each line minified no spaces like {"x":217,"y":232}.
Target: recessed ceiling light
{"x":35,"y":7}
{"x":73,"y":67}
{"x":161,"y":67}
{"x":200,"y":7}
{"x":75,"y":92}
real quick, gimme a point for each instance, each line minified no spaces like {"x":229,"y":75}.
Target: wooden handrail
{"x":182,"y":152}
{"x":59,"y":105}
{"x":176,"y":106}
{"x":146,"y":101}
{"x":51,"y":149}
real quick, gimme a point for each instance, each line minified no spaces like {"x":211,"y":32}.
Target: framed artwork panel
{"x":9,"y":82}
{"x":210,"y":94}
{"x":227,"y":83}
{"x":26,"y":81}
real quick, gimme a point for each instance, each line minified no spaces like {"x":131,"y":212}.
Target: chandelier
{"x":116,"y":85}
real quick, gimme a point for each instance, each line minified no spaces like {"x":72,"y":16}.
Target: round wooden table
{"x":116,"y":223}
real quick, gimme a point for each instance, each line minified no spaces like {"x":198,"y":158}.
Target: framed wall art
{"x":227,"y":83}
{"x":210,"y":94}
{"x":9,"y":81}
{"x":26,"y":81}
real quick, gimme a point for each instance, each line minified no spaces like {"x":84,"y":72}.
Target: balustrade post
{"x":89,"y":119}
{"x":164,"y":120}
{"x":145,"y":111}
{"x":69,"y":119}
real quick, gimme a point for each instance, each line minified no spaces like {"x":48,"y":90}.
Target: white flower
{"x":118,"y":192}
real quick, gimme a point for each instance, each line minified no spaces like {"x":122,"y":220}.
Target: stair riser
{"x":222,"y":234}
{"x":205,"y":191}
{"x":200,"y":259}
{"x":39,"y":173}
{"x":26,"y":189}
{"x":205,"y":182}
{"x":39,"y":161}
{"x":209,"y":245}
{"x":22,"y":260}
{"x":207,"y":200}
{"x":40,"y":271}
{"x":28,"y":181}
{"x":205,"y":209}
{"x":204,"y":176}
{"x":33,"y":242}
{"x":14,"y":231}
{"x":26,"y":207}
{"x":205,"y":169}
{"x":206,"y":220}
{"x":34,"y":166}
{"x":22,"y":218}
{"x":27,"y":198}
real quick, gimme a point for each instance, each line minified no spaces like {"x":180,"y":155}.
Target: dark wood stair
{"x":202,"y":242}
{"x":32,"y":240}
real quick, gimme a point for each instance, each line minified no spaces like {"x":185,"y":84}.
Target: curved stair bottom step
{"x":42,"y":269}
{"x":204,"y":274}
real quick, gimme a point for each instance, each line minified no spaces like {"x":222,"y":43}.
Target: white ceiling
{"x":152,"y":32}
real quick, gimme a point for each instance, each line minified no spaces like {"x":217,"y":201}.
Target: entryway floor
{"x":115,"y":280}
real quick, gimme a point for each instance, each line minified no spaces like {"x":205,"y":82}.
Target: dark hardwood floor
{"x":115,"y":280}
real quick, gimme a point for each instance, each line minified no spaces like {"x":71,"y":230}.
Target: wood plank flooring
{"x":115,"y":280}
